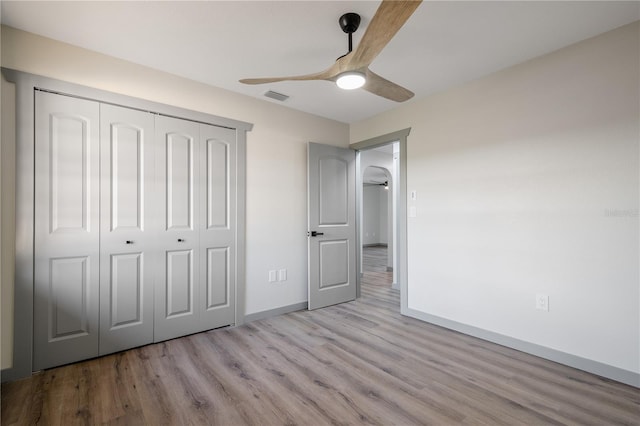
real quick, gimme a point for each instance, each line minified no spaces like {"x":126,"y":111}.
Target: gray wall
{"x":527,"y":182}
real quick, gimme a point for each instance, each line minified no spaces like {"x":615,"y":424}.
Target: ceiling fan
{"x":385,"y":184}
{"x":351,"y":70}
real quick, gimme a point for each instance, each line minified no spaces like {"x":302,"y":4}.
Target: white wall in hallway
{"x":374,"y":201}
{"x":383,"y":208}
{"x":370,"y":215}
{"x":375,"y":214}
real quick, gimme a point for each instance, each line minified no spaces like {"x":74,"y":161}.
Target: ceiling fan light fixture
{"x":351,"y":80}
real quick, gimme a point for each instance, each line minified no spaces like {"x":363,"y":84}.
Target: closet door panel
{"x":217,"y":226}
{"x":66,"y":230}
{"x":126,"y":293}
{"x":128,"y":227}
{"x":179,"y":281}
{"x":68,"y":285}
{"x":218,"y":274}
{"x":179,"y":179}
{"x":177,"y":284}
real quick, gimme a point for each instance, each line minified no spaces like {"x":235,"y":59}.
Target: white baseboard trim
{"x":590,"y":366}
{"x":275,"y":312}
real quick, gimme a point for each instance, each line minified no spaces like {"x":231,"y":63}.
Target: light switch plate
{"x":282,"y":275}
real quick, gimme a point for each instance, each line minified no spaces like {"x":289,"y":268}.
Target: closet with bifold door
{"x":196,"y":234}
{"x":135,"y":228}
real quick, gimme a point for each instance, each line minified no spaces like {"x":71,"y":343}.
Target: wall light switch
{"x":272,"y":276}
{"x":414,"y":195}
{"x":282,"y":275}
{"x":412,"y":211}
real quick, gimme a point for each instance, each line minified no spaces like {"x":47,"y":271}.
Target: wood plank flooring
{"x":355,"y":363}
{"x":374,"y":259}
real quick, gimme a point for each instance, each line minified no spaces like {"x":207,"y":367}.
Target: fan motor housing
{"x":349,"y":22}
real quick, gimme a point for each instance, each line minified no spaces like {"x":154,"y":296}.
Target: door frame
{"x":399,"y":136}
{"x":25,"y":86}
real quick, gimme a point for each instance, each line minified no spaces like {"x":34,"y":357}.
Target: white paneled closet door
{"x":135,"y":228}
{"x":217,"y":226}
{"x":128,"y":225}
{"x":177,"y":279}
{"x":66,"y":230}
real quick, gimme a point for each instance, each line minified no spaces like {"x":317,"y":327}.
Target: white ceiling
{"x":442,"y":45}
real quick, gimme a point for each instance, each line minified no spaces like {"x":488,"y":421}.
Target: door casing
{"x":399,"y":136}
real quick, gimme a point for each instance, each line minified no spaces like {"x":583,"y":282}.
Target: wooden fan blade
{"x":385,"y":88}
{"x":389,"y":18}
{"x":327,"y":74}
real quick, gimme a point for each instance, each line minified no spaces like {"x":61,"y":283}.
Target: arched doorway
{"x":377,"y":218}
{"x":378,"y":179}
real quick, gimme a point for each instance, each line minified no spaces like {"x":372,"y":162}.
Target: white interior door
{"x":331,"y":181}
{"x":196,"y":174}
{"x":177,"y":289}
{"x":66,"y":231}
{"x":135,"y":228}
{"x":127,"y":223}
{"x":217,"y":226}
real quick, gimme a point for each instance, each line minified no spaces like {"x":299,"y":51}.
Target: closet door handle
{"x":181,"y":240}
{"x":129,"y":242}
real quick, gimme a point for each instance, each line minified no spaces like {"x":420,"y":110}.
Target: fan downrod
{"x":349,"y":22}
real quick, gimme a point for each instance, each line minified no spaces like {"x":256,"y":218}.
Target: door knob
{"x":180,"y":240}
{"x":129,"y":242}
{"x":315,"y":234}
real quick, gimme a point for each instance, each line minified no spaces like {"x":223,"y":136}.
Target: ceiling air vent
{"x":277,"y":96}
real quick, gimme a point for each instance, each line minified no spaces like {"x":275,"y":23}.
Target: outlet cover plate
{"x":542,"y":302}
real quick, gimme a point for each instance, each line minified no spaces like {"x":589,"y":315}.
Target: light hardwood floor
{"x":374,"y":259}
{"x":355,"y":363}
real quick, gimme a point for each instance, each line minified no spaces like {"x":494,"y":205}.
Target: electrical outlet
{"x":542,"y":302}
{"x":273,"y":276}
